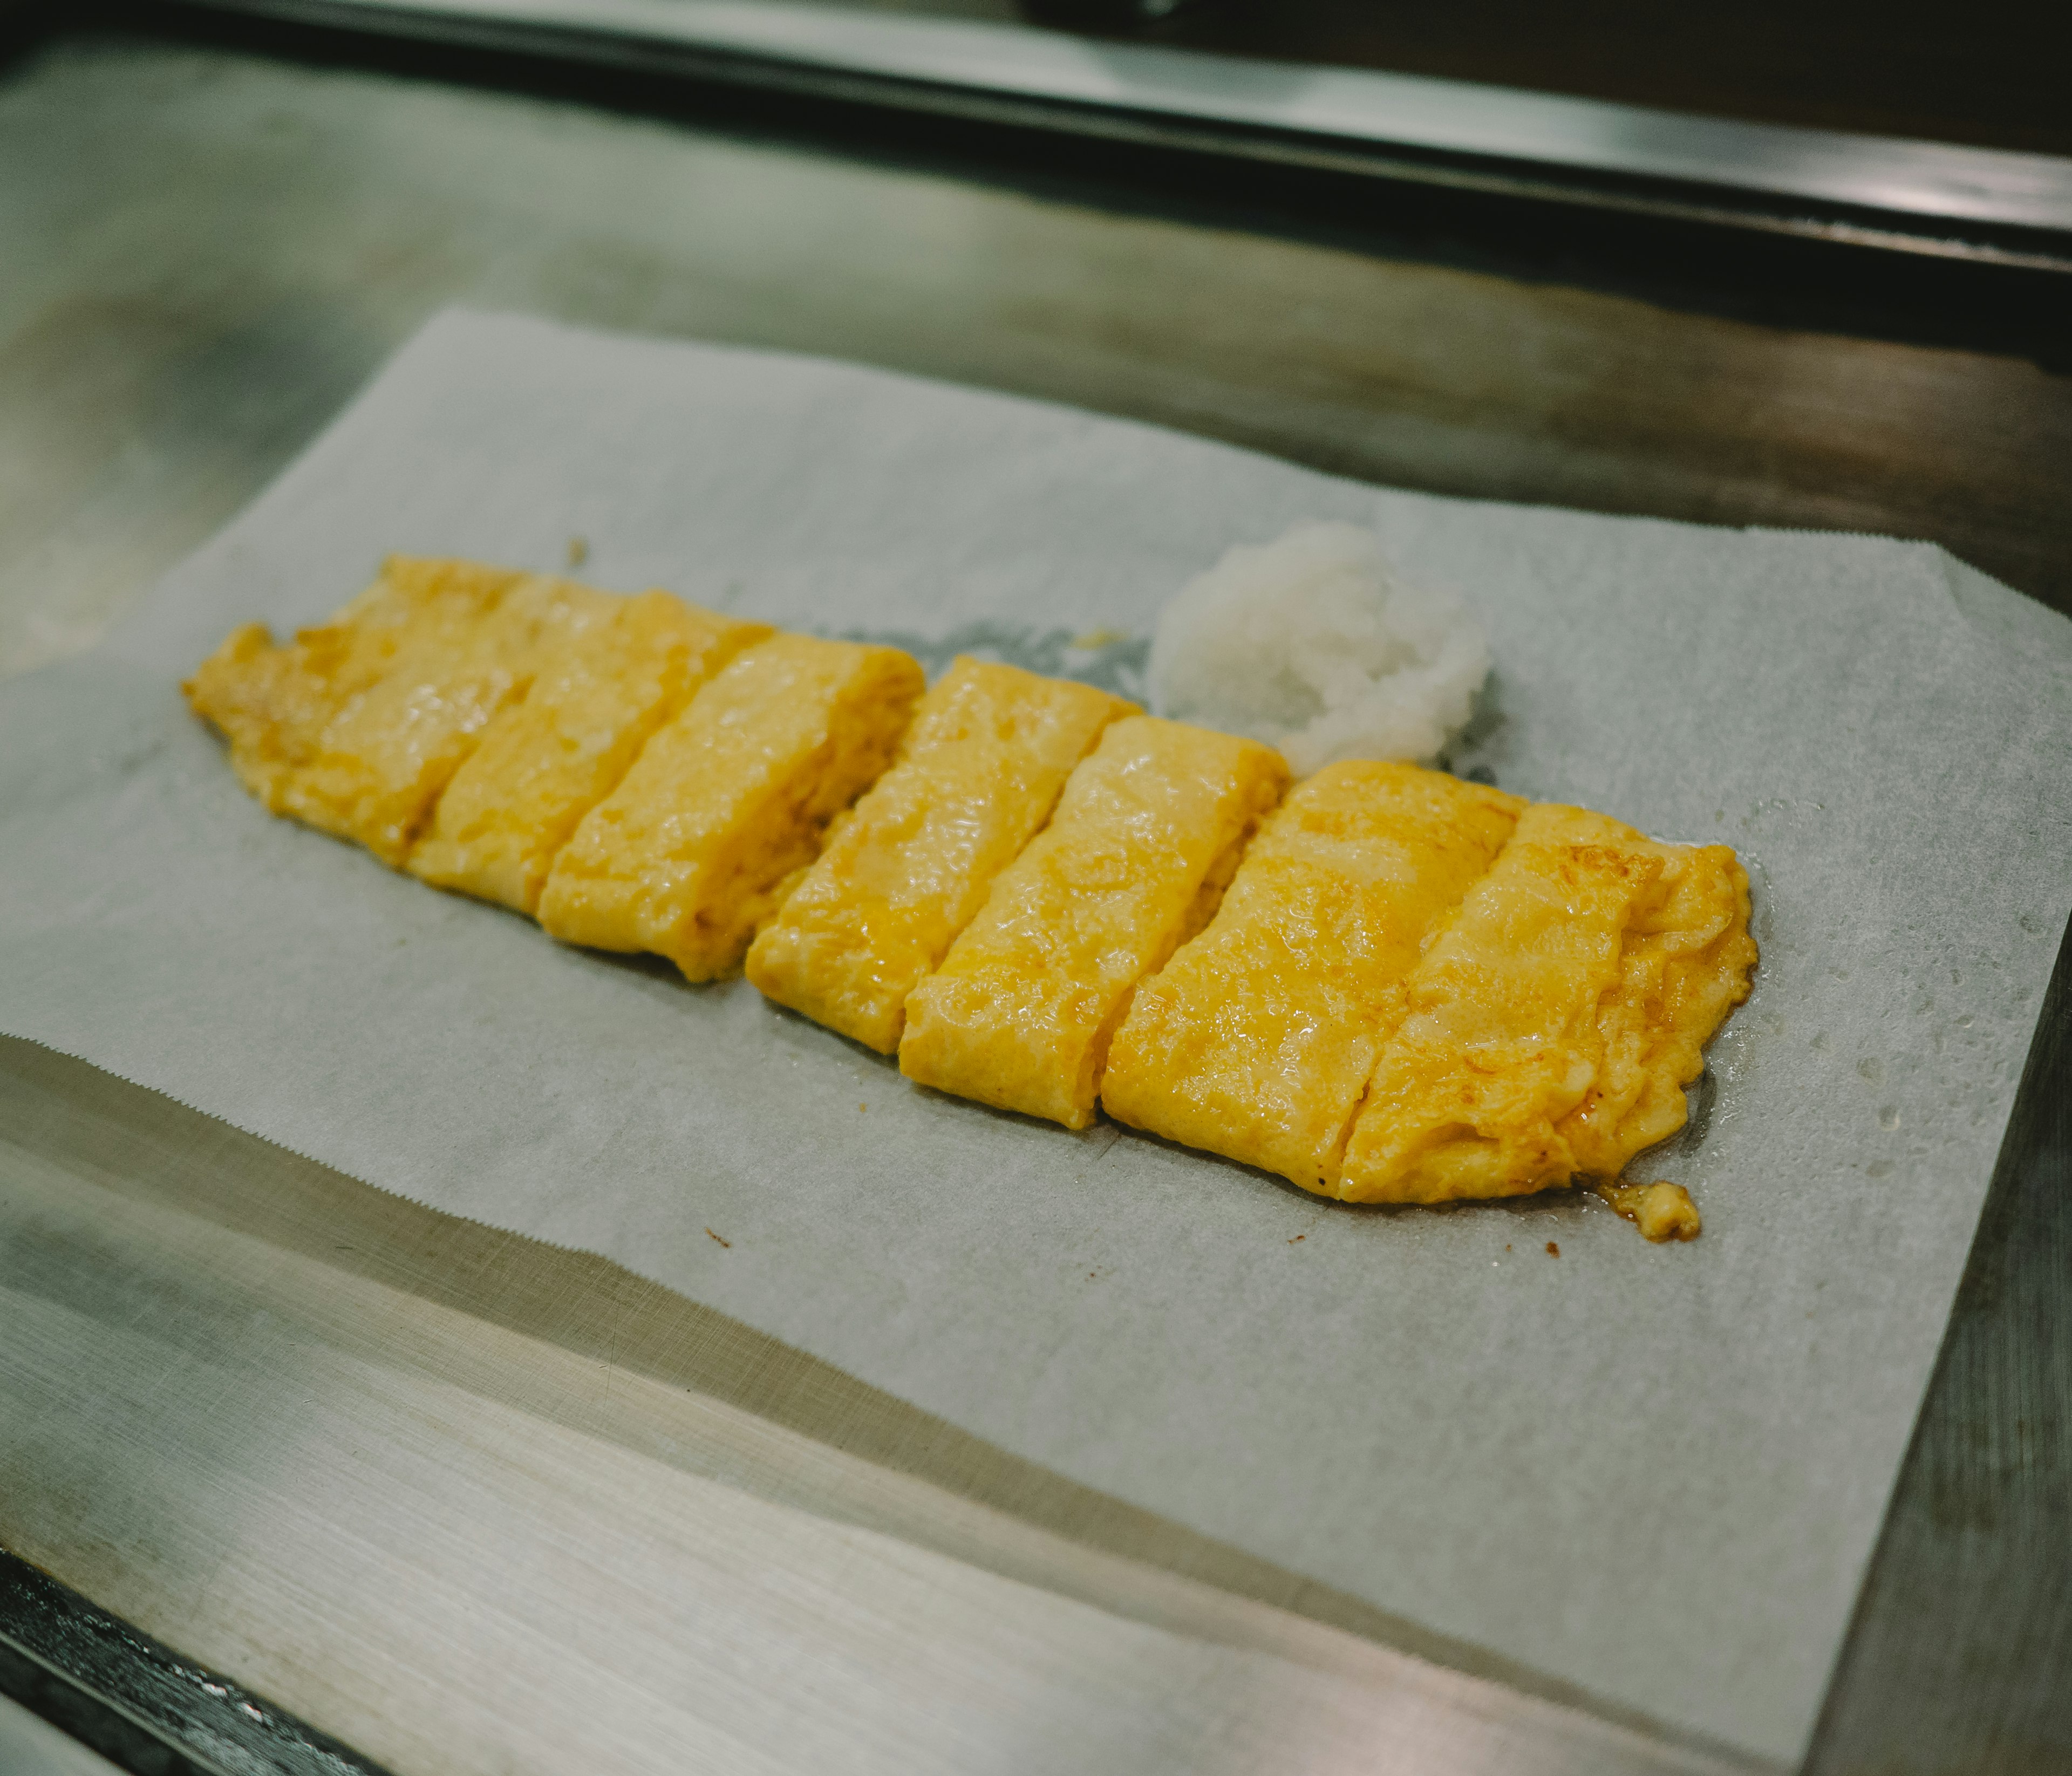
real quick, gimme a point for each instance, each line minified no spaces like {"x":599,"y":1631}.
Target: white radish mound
{"x":1315,"y":644}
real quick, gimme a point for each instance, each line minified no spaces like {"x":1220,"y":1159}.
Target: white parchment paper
{"x":1654,"y":1473}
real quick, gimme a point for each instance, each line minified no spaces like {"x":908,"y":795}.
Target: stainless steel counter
{"x":206,"y":251}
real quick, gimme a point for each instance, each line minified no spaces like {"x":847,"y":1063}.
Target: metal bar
{"x":1935,"y":198}
{"x":136,"y":1701}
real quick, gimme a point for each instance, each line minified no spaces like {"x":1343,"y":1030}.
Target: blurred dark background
{"x":1994,"y":75}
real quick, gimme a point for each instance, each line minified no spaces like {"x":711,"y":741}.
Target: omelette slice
{"x":1498,"y":1042}
{"x":616,"y":676}
{"x":1146,"y":837}
{"x":273,"y":703}
{"x":977,"y":774}
{"x":1257,"y":1039}
{"x":388,"y":753}
{"x":729,"y":800}
{"x":1684,"y":965}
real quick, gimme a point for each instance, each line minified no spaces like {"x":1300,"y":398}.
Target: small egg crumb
{"x":1661,"y":1210}
{"x":579,"y":551}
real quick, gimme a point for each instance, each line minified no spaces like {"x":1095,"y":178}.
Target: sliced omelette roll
{"x":1684,"y":965}
{"x":978,"y":773}
{"x":387,"y":754}
{"x":1551,"y":1029}
{"x":273,"y":703}
{"x":1498,"y":1041}
{"x":1146,"y":837}
{"x":1257,"y":1039}
{"x":729,"y":800}
{"x":603,"y":686}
